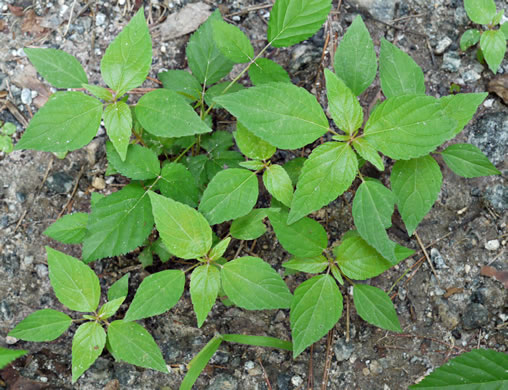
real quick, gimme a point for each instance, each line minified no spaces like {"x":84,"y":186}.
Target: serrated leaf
{"x":118,"y":122}
{"x":111,"y":307}
{"x":218,"y":90}
{"x":42,"y":325}
{"x":375,"y":306}
{"x":128,"y":58}
{"x":398,"y":72}
{"x":131,"y":343}
{"x":100,"y":92}
{"x":469,"y":38}
{"x":182,"y":82}
{"x":120,"y":288}
{"x":294,"y":168}
{"x":58,"y":68}
{"x":68,"y":121}
{"x":504,"y":29}
{"x":199,"y":362}
{"x":231,"y":193}
{"x":292,"y":21}
{"x":326,"y":174}
{"x":87,"y":345}
{"x":218,"y":141}
{"x":336,"y":274}
{"x":118,"y":224}
{"x":409,"y":126}
{"x":265,"y":71}
{"x":161,"y":250}
{"x":156,"y":294}
{"x":178,"y":184}
{"x":462,"y":107}
{"x":480,"y":11}
{"x":355,"y":59}
{"x":140,"y":163}
{"x":184,"y":231}
{"x":310,"y":265}
{"x":278,"y":184}
{"x":260,"y":341}
{"x":204,"y":288}
{"x":468,"y":161}
{"x":251,"y":145}
{"x":483,"y":369}
{"x":250,"y":226}
{"x":304,"y":238}
{"x":75,"y":284}
{"x":493,"y":45}
{"x":232,"y":42}
{"x":368,"y":153}
{"x":219,"y":160}
{"x":69,"y":229}
{"x":252,"y":165}
{"x":218,"y":250}
{"x":282,"y":114}
{"x":497,"y":19}
{"x":7,"y":356}
{"x":253,"y":284}
{"x":165,"y":113}
{"x":316,"y":308}
{"x":373,"y":207}
{"x":416,"y":183}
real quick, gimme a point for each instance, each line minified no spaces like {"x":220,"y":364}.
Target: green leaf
{"x":398,"y":72}
{"x":327,"y":173}
{"x":131,"y":343}
{"x":87,"y":345}
{"x":99,"y":92}
{"x":232,"y":42}
{"x":178,"y":184}
{"x":282,"y":114}
{"x":504,"y":29}
{"x":42,"y":325}
{"x":7,"y":356}
{"x":493,"y":45}
{"x":6,"y":145}
{"x":221,"y":160}
{"x":206,"y":61}
{"x":69,"y":229}
{"x":250,"y":226}
{"x":369,"y":153}
{"x":292,"y":21}
{"x":181,"y":82}
{"x":218,"y":141}
{"x":128,"y":58}
{"x":294,"y":167}
{"x":184,"y":231}
{"x":310,"y":265}
{"x":68,"y":121}
{"x":199,"y":362}
{"x":259,"y":341}
{"x":468,"y":161}
{"x":304,"y":238}
{"x":218,"y":250}
{"x":75,"y":284}
{"x":497,"y":19}
{"x":118,"y":224}
{"x":278,"y":184}
{"x":336,"y":274}
{"x":480,"y":11}
{"x":110,"y":308}
{"x":469,"y":38}
{"x":316,"y":308}
{"x":156,"y":294}
{"x":483,"y":369}
{"x":462,"y":107}
{"x":253,"y":284}
{"x":373,"y":207}
{"x":375,"y":306}
{"x":265,"y":71}
{"x":409,"y":126}
{"x":139,"y":163}
{"x":355,"y":59}
{"x":416,"y":184}
{"x":218,"y":90}
{"x":343,"y":104}
{"x":251,"y":145}
{"x":204,"y":288}
{"x":253,"y":165}
{"x":232,"y":193}
{"x":165,"y":113}
{"x":146,"y":257}
{"x":8,"y":128}
{"x":58,"y":68}
{"x":118,"y":122}
{"x":120,"y":288}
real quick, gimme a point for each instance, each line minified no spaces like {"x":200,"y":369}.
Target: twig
{"x":239,"y":249}
{"x":268,"y":384}
{"x":328,"y":360}
{"x":426,"y":254}
{"x":70,"y":19}
{"x":408,"y":335}
{"x":70,"y":200}
{"x":310,"y":379}
{"x":17,"y":114}
{"x":250,"y":9}
{"x":347,"y":318}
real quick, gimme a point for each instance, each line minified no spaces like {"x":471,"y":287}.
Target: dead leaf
{"x":15,"y":10}
{"x":499,"y":85}
{"x":3,"y":25}
{"x":112,"y":385}
{"x":185,"y":21}
{"x":31,"y":23}
{"x":500,"y":276}
{"x":452,"y":291}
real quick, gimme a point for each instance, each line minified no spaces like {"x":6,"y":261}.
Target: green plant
{"x":7,"y":356}
{"x":202,"y":182}
{"x":492,"y":46}
{"x":6,"y":131}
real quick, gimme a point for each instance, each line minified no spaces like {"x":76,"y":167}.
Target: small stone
{"x":42,"y":270}
{"x":442,"y":45}
{"x":98,"y":183}
{"x":59,"y":182}
{"x":100,"y":19}
{"x":451,"y":62}
{"x":490,"y":134}
{"x":437,"y":259}
{"x":343,"y":349}
{"x":488,"y":103}
{"x":366,"y":371}
{"x":121,"y":2}
{"x":28,"y":260}
{"x":492,"y":245}
{"x":296,"y":380}
{"x":467,"y":268}
{"x":20,"y":196}
{"x":375,"y":367}
{"x":26,"y":96}
{"x":471,"y":76}
{"x":475,"y":315}
{"x":11,"y":340}
{"x":223,"y":382}
{"x":249,"y":365}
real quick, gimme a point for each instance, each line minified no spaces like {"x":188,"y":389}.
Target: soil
{"x":442,"y":315}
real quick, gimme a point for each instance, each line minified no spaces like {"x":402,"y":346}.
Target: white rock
{"x":442,"y":45}
{"x":9,"y":340}
{"x":26,"y":96}
{"x":492,"y":245}
{"x":296,"y":380}
{"x":100,"y":19}
{"x":249,"y":365}
{"x":467,"y":268}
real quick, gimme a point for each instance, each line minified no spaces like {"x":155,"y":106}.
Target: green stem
{"x":185,"y":151}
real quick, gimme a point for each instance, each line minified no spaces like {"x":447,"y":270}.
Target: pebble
{"x":475,"y":315}
{"x":121,"y":2}
{"x":375,"y":367}
{"x":492,"y":245}
{"x":98,"y":183}
{"x":100,"y":19}
{"x":471,"y":76}
{"x":42,"y":270}
{"x":442,"y":45}
{"x":59,"y":182}
{"x":249,"y":365}
{"x":490,"y":134}
{"x":451,"y":62}
{"x":297,"y":380}
{"x":343,"y":349}
{"x":467,"y":268}
{"x":28,"y":260}
{"x":9,"y":340}
{"x":223,"y":382}
{"x":26,"y":96}
{"x":437,"y":259}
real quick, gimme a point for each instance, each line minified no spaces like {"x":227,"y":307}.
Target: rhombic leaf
{"x":178,"y":184}
{"x":480,"y":11}
{"x":253,"y":284}
{"x":462,"y":107}
{"x":68,"y":121}
{"x":131,"y":343}
{"x":118,"y":223}
{"x":110,"y":308}
{"x":251,"y":145}
{"x":87,"y":345}
{"x":250,"y":226}
{"x":311,"y":265}
{"x":355,"y":59}
{"x":58,"y":68}
{"x":478,"y":369}
{"x":9,"y":355}
{"x":128,"y":58}
{"x":165,"y":113}
{"x":278,"y":184}
{"x":265,"y":71}
{"x":416,"y":184}
{"x":327,"y":173}
{"x":70,"y":229}
{"x":120,"y":288}
{"x":156,"y":294}
{"x":204,"y":288}
{"x":469,"y":38}
{"x":398,"y":72}
{"x":42,"y":325}
{"x":468,"y":161}
{"x":409,"y":126}
{"x":493,"y":45}
{"x":218,"y":90}
{"x":368,"y":153}
{"x":139,"y":163}
{"x":375,"y":307}
{"x":184,"y":231}
{"x":75,"y":284}
{"x":292,"y":21}
{"x":182,"y":82}
{"x":282,"y":114}
{"x":232,"y":193}
{"x":118,"y":122}
{"x":316,"y":308}
{"x":232,"y":42}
